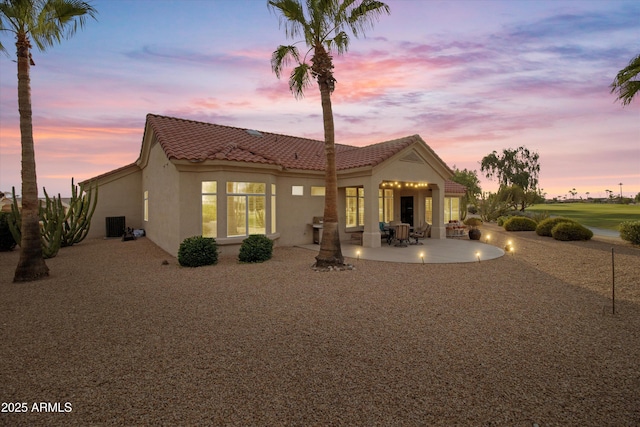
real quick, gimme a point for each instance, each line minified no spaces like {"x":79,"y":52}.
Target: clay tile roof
{"x":372,"y":155}
{"x":190,"y":140}
{"x":454,"y":187}
{"x":183,"y":139}
{"x":196,"y":141}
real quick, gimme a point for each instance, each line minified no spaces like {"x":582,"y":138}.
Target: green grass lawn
{"x":599,"y":215}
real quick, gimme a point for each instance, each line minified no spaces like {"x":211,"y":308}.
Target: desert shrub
{"x":545,"y":226}
{"x":539,"y":216}
{"x":571,"y":231}
{"x":492,"y":207}
{"x":473,"y":222}
{"x":197,"y":251}
{"x":520,"y":223}
{"x":7,"y":242}
{"x":256,"y":248}
{"x":630,"y":231}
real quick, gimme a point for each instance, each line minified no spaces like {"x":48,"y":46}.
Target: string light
{"x":406,"y":184}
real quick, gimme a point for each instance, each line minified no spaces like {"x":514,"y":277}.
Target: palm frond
{"x":282,"y":57}
{"x":291,"y":16}
{"x":339,"y":43}
{"x":626,"y":83}
{"x":363,"y":16}
{"x":300,"y":79}
{"x":58,"y":19}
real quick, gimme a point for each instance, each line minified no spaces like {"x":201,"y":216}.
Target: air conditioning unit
{"x":115,"y":226}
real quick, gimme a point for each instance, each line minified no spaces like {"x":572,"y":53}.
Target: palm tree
{"x":626,"y":83}
{"x":45,"y":22}
{"x":323,"y":25}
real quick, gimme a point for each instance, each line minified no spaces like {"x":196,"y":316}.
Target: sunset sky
{"x":469,"y":77}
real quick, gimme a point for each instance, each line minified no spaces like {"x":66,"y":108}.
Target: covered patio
{"x":432,"y":251}
{"x":412,"y":187}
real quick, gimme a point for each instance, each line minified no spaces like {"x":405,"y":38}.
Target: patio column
{"x":371,"y":236}
{"x":438,"y":230}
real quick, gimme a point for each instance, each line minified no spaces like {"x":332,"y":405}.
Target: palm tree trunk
{"x":31,"y":265}
{"x":330,"y":251}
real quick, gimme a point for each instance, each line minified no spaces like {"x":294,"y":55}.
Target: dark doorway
{"x":406,"y":210}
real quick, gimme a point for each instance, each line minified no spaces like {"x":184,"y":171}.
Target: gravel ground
{"x":114,"y":337}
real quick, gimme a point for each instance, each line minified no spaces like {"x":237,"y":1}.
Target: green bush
{"x":545,"y":226}
{"x":473,"y":222}
{"x":197,"y":251}
{"x":567,"y":231}
{"x":520,"y":223}
{"x":630,"y":231}
{"x":256,"y":248}
{"x":7,"y":242}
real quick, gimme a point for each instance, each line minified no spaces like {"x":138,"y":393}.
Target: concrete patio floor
{"x":435,"y":251}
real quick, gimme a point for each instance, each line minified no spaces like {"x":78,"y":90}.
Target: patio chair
{"x":421,"y":233}
{"x":402,"y":235}
{"x":384,"y":233}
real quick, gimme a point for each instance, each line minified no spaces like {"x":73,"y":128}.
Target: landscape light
{"x":488,"y":238}
{"x":422,"y":256}
{"x":357,"y":255}
{"x":478,"y":256}
{"x":509,"y":247}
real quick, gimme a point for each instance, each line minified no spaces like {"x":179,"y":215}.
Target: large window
{"x":245,"y":208}
{"x":209,"y":209}
{"x":385,"y":203}
{"x":355,"y":207}
{"x":451,"y":209}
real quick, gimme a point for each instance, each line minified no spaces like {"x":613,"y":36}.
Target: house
{"x":195,"y":178}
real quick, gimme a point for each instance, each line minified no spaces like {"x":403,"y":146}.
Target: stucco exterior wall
{"x":118,"y":195}
{"x":162,"y":181}
{"x":295,"y":213}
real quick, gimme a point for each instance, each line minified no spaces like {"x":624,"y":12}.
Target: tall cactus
{"x":51,"y":215}
{"x":59,"y":227}
{"x":78,"y":219}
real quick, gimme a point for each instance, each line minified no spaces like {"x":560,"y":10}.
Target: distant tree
{"x":45,"y":22}
{"x":626,"y":83}
{"x":469,"y":179}
{"x":518,"y":167}
{"x":573,"y":193}
{"x":322,"y":25}
{"x":512,"y":194}
{"x":637,"y":198}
